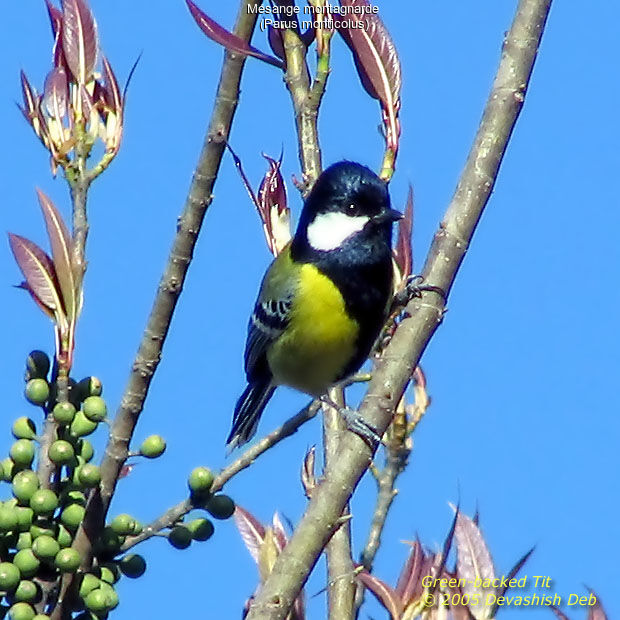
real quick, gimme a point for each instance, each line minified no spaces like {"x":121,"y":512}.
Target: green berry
{"x":67,"y":560}
{"x":44,"y":502}
{"x":37,"y":391}
{"x":7,"y":469}
{"x":21,"y":611}
{"x":73,"y":496}
{"x":45,"y":547}
{"x":109,"y":572}
{"x":153,"y":446}
{"x":89,"y":386}
{"x":72,"y":516}
{"x":89,"y":583}
{"x":96,"y":601}
{"x":61,"y":452}
{"x":221,"y":506}
{"x":41,"y":617}
{"x":24,"y":518}
{"x":137,"y":527}
{"x":26,"y":591}
{"x":89,"y":475}
{"x":180,"y":537}
{"x":132,"y":565}
{"x":8,"y":518}
{"x":27,"y":563}
{"x":94,"y":408}
{"x":24,"y":541}
{"x":24,"y":428}
{"x":9,"y":575}
{"x":22,"y":452}
{"x":110,"y":541}
{"x":81,"y":425}
{"x":64,"y":413}
{"x":201,"y":529}
{"x":200,"y":480}
{"x":123,"y":524}
{"x":86,"y":450}
{"x":64,"y":536}
{"x":41,"y":529}
{"x":25,"y":483}
{"x":37,"y":365}
{"x":111,"y":595}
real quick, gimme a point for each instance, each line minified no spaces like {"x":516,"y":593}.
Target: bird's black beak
{"x":387,"y":215}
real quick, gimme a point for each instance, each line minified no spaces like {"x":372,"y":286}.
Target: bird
{"x":324,"y":298}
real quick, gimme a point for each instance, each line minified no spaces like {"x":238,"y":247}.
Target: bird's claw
{"x":414,"y":287}
{"x":356,"y":424}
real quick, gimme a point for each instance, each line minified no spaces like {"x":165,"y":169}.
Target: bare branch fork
{"x":403,"y":353}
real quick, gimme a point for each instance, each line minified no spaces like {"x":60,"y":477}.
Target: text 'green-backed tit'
{"x":325,"y":298}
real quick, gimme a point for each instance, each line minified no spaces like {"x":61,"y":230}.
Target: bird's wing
{"x":268,"y":321}
{"x":271,"y":314}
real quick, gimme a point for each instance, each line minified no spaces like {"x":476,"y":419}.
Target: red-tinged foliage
{"x":251,"y":530}
{"x":375,"y":57}
{"x":264,"y":544}
{"x":227,"y":39}
{"x":409,"y":584}
{"x":79,"y":39}
{"x":62,"y":246}
{"x":596,"y":612}
{"x":387,"y":596}
{"x":38,"y":271}
{"x":403,"y":250}
{"x":113,"y":97}
{"x":56,"y":94}
{"x":58,"y":54}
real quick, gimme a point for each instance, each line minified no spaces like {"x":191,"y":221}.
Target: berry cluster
{"x":39,"y":522}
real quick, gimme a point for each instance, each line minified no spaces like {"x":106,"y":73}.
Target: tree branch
{"x":171,"y":516}
{"x":402,"y":354}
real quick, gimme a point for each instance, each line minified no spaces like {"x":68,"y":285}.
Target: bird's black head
{"x":348,"y":202}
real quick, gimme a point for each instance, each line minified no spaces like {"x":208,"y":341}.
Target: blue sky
{"x":523,"y":372}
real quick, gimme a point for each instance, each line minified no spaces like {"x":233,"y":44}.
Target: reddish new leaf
{"x":272,"y":207}
{"x":473,"y":561}
{"x":113,"y":95}
{"x":409,"y":582}
{"x":56,"y":93}
{"x":61,"y":244}
{"x":514,"y":570}
{"x":38,"y":271}
{"x":252,"y":531}
{"x":229,"y":40}
{"x":385,"y":595}
{"x":375,"y":57}
{"x":79,"y":39}
{"x":30,"y":98}
{"x":402,"y":251}
{"x":596,"y":612}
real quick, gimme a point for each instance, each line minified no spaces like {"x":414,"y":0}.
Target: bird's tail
{"x":248,"y":411}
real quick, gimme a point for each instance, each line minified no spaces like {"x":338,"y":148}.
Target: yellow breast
{"x":320,"y":339}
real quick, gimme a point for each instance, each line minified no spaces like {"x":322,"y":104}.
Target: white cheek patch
{"x":328,"y":231}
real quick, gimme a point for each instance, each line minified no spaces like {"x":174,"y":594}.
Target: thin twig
{"x":171,"y":284}
{"x":171,"y":516}
{"x":275,"y":598}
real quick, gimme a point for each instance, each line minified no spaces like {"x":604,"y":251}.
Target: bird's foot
{"x":414,"y":287}
{"x":356,"y":424}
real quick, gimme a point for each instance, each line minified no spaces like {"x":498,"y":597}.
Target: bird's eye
{"x":352,"y":209}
